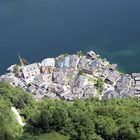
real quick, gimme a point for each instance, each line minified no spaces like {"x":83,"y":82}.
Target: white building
{"x":11,"y":68}
{"x":48,"y":62}
{"x":30,"y":72}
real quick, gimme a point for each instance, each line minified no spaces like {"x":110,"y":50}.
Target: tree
{"x":81,"y":72}
{"x":15,"y":96}
{"x":100,"y":85}
{"x":17,"y":70}
{"x":79,"y":53}
{"x":9,"y":128}
{"x":90,"y":119}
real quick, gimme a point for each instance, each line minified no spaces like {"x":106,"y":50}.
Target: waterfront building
{"x":30,"y":72}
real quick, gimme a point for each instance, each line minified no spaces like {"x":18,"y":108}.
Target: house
{"x":22,"y":84}
{"x":58,"y":89}
{"x":81,"y":81}
{"x":89,"y":70}
{"x":48,"y":80}
{"x":70,"y":76}
{"x":91,"y":55}
{"x":83,"y":62}
{"x":30,"y":72}
{"x":108,"y":87}
{"x":39,"y":80}
{"x":11,"y":79}
{"x":137,"y":87}
{"x":47,"y":69}
{"x":59,"y":64}
{"x":38,"y":96}
{"x":31,"y":88}
{"x":113,"y":77}
{"x":127,"y":93}
{"x":90,"y":92}
{"x":113,"y":67}
{"x":11,"y":68}
{"x":137,"y":78}
{"x":110,"y":94}
{"x":135,"y":74}
{"x":71,"y":82}
{"x":71,"y":72}
{"x":105,"y":73}
{"x":49,"y":62}
{"x":67,"y":95}
{"x":58,"y":75}
{"x":123,"y":83}
{"x":78,"y":91}
{"x":41,"y":91}
{"x":51,"y":95}
{"x":74,"y":59}
{"x":94,"y":64}
{"x":66,"y":62}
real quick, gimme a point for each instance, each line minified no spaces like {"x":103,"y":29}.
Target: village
{"x":68,"y":77}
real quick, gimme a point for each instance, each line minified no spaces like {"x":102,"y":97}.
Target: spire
{"x":20,"y":60}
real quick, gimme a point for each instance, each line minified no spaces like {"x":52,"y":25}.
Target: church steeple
{"x":20,"y":60}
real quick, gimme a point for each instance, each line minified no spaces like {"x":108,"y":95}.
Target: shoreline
{"x":71,"y":76}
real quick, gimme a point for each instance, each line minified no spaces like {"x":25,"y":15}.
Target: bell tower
{"x":20,"y":60}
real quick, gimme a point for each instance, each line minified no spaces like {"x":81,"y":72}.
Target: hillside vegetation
{"x":91,"y":119}
{"x":49,"y":136}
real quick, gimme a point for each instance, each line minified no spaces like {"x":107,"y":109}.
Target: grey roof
{"x":8,"y":80}
{"x":135,"y":74}
{"x":111,"y":94}
{"x":137,"y":87}
{"x":88,"y":69}
{"x":83,"y":61}
{"x":58,"y":75}
{"x":80,"y":80}
{"x":90,"y":92}
{"x":67,"y":95}
{"x":113,"y":66}
{"x":38,"y":96}
{"x":95,"y":63}
{"x":127,"y":93}
{"x":21,"y":84}
{"x":31,"y":88}
{"x":59,"y":89}
{"x":113,"y":77}
{"x":77,"y":90}
{"x":71,"y":72}
{"x":40,"y":91}
{"x":91,"y":55}
{"x":105,"y":73}
{"x":137,"y":78}
{"x":73,"y":60}
{"x":122,"y":83}
{"x":38,"y":80}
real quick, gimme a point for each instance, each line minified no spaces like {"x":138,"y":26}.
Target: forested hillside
{"x":116,"y":119}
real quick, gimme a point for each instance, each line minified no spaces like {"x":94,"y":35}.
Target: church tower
{"x":20,"y":60}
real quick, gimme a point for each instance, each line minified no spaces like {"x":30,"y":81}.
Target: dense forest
{"x":91,"y":119}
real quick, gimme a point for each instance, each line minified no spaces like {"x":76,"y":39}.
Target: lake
{"x":45,"y":28}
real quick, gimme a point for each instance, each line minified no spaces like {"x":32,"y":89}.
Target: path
{"x":18,"y":117}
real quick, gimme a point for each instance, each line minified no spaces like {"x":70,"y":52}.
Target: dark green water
{"x":45,"y":28}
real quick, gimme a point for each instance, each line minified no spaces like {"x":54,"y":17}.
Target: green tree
{"x":80,"y":53}
{"x":9,"y":128}
{"x":100,"y":85}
